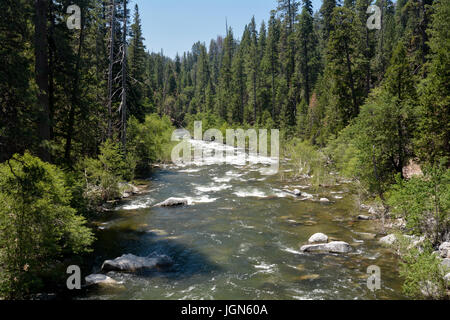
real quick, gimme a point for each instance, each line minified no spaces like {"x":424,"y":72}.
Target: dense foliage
{"x":37,"y":224}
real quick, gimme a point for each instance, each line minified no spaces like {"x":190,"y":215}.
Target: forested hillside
{"x":97,"y":108}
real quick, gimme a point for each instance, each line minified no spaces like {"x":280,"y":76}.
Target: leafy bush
{"x":307,"y":160}
{"x":150,"y":141}
{"x":37,"y":224}
{"x":424,"y":202}
{"x":423,"y":274}
{"x":103,"y":175}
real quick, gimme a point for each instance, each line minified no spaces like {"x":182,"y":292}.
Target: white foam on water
{"x":137,"y":204}
{"x":234,"y":174}
{"x":255,"y":193}
{"x":246,"y":226}
{"x":190,"y":170}
{"x":213,"y":188}
{"x":203,"y":199}
{"x":283,"y":194}
{"x":266,"y":268}
{"x":307,"y":195}
{"x":220,"y":180}
{"x":290,"y":250}
{"x":299,"y":187}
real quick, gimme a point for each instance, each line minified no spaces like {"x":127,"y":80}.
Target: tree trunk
{"x":75,"y":101}
{"x":41,"y":70}
{"x":124,"y":79}
{"x":111,"y":64}
{"x":352,"y":84}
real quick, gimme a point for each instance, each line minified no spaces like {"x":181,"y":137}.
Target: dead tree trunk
{"x":111,"y":64}
{"x":124,"y":78}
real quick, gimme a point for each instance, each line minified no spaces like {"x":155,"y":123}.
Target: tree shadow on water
{"x":187,"y":262}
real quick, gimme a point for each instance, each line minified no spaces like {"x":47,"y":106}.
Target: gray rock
{"x":389,"y":239}
{"x":446,"y":262}
{"x":318,"y":238}
{"x":294,"y":192}
{"x":132,"y":263}
{"x":100,"y":280}
{"x":447,"y":279}
{"x":128,"y":189}
{"x":324,"y":200}
{"x":429,"y":289}
{"x":332,"y":247}
{"x":173,"y":202}
{"x":362,"y":217}
{"x":444,"y":250}
{"x":415,"y":241}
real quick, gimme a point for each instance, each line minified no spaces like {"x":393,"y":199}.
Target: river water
{"x":240,"y":238}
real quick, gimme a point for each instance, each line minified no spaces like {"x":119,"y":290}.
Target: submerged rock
{"x":173,"y":202}
{"x":444,"y":250}
{"x":309,"y":277}
{"x":332,"y":247}
{"x":318,"y":238}
{"x":132,"y":263}
{"x":101,"y":280}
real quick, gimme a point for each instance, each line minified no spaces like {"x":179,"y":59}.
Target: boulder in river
{"x":389,"y":239}
{"x":132,"y":263}
{"x":332,"y":247}
{"x":318,"y":238}
{"x":101,"y":280}
{"x":444,"y":250}
{"x":324,"y":200}
{"x":363,"y":217}
{"x":173,"y":202}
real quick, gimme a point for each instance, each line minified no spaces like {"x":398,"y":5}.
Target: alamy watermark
{"x":74,"y":20}
{"x":74,"y":280}
{"x":374,"y":280}
{"x":374,"y":21}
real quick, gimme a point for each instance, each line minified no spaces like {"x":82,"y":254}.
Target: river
{"x":240,"y":238}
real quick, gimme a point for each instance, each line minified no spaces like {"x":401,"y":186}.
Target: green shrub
{"x":102,"y":176}
{"x":150,"y":141}
{"x":37,"y":224}
{"x":424,"y":202}
{"x":423,"y":274}
{"x":307,"y":160}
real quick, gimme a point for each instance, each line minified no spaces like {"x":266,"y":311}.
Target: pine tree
{"x":270,"y":61}
{"x":433,"y":136}
{"x":136,"y":62}
{"x":252,"y":67}
{"x":344,"y":64}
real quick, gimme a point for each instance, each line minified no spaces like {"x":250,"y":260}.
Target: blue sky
{"x":175,"y":25}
